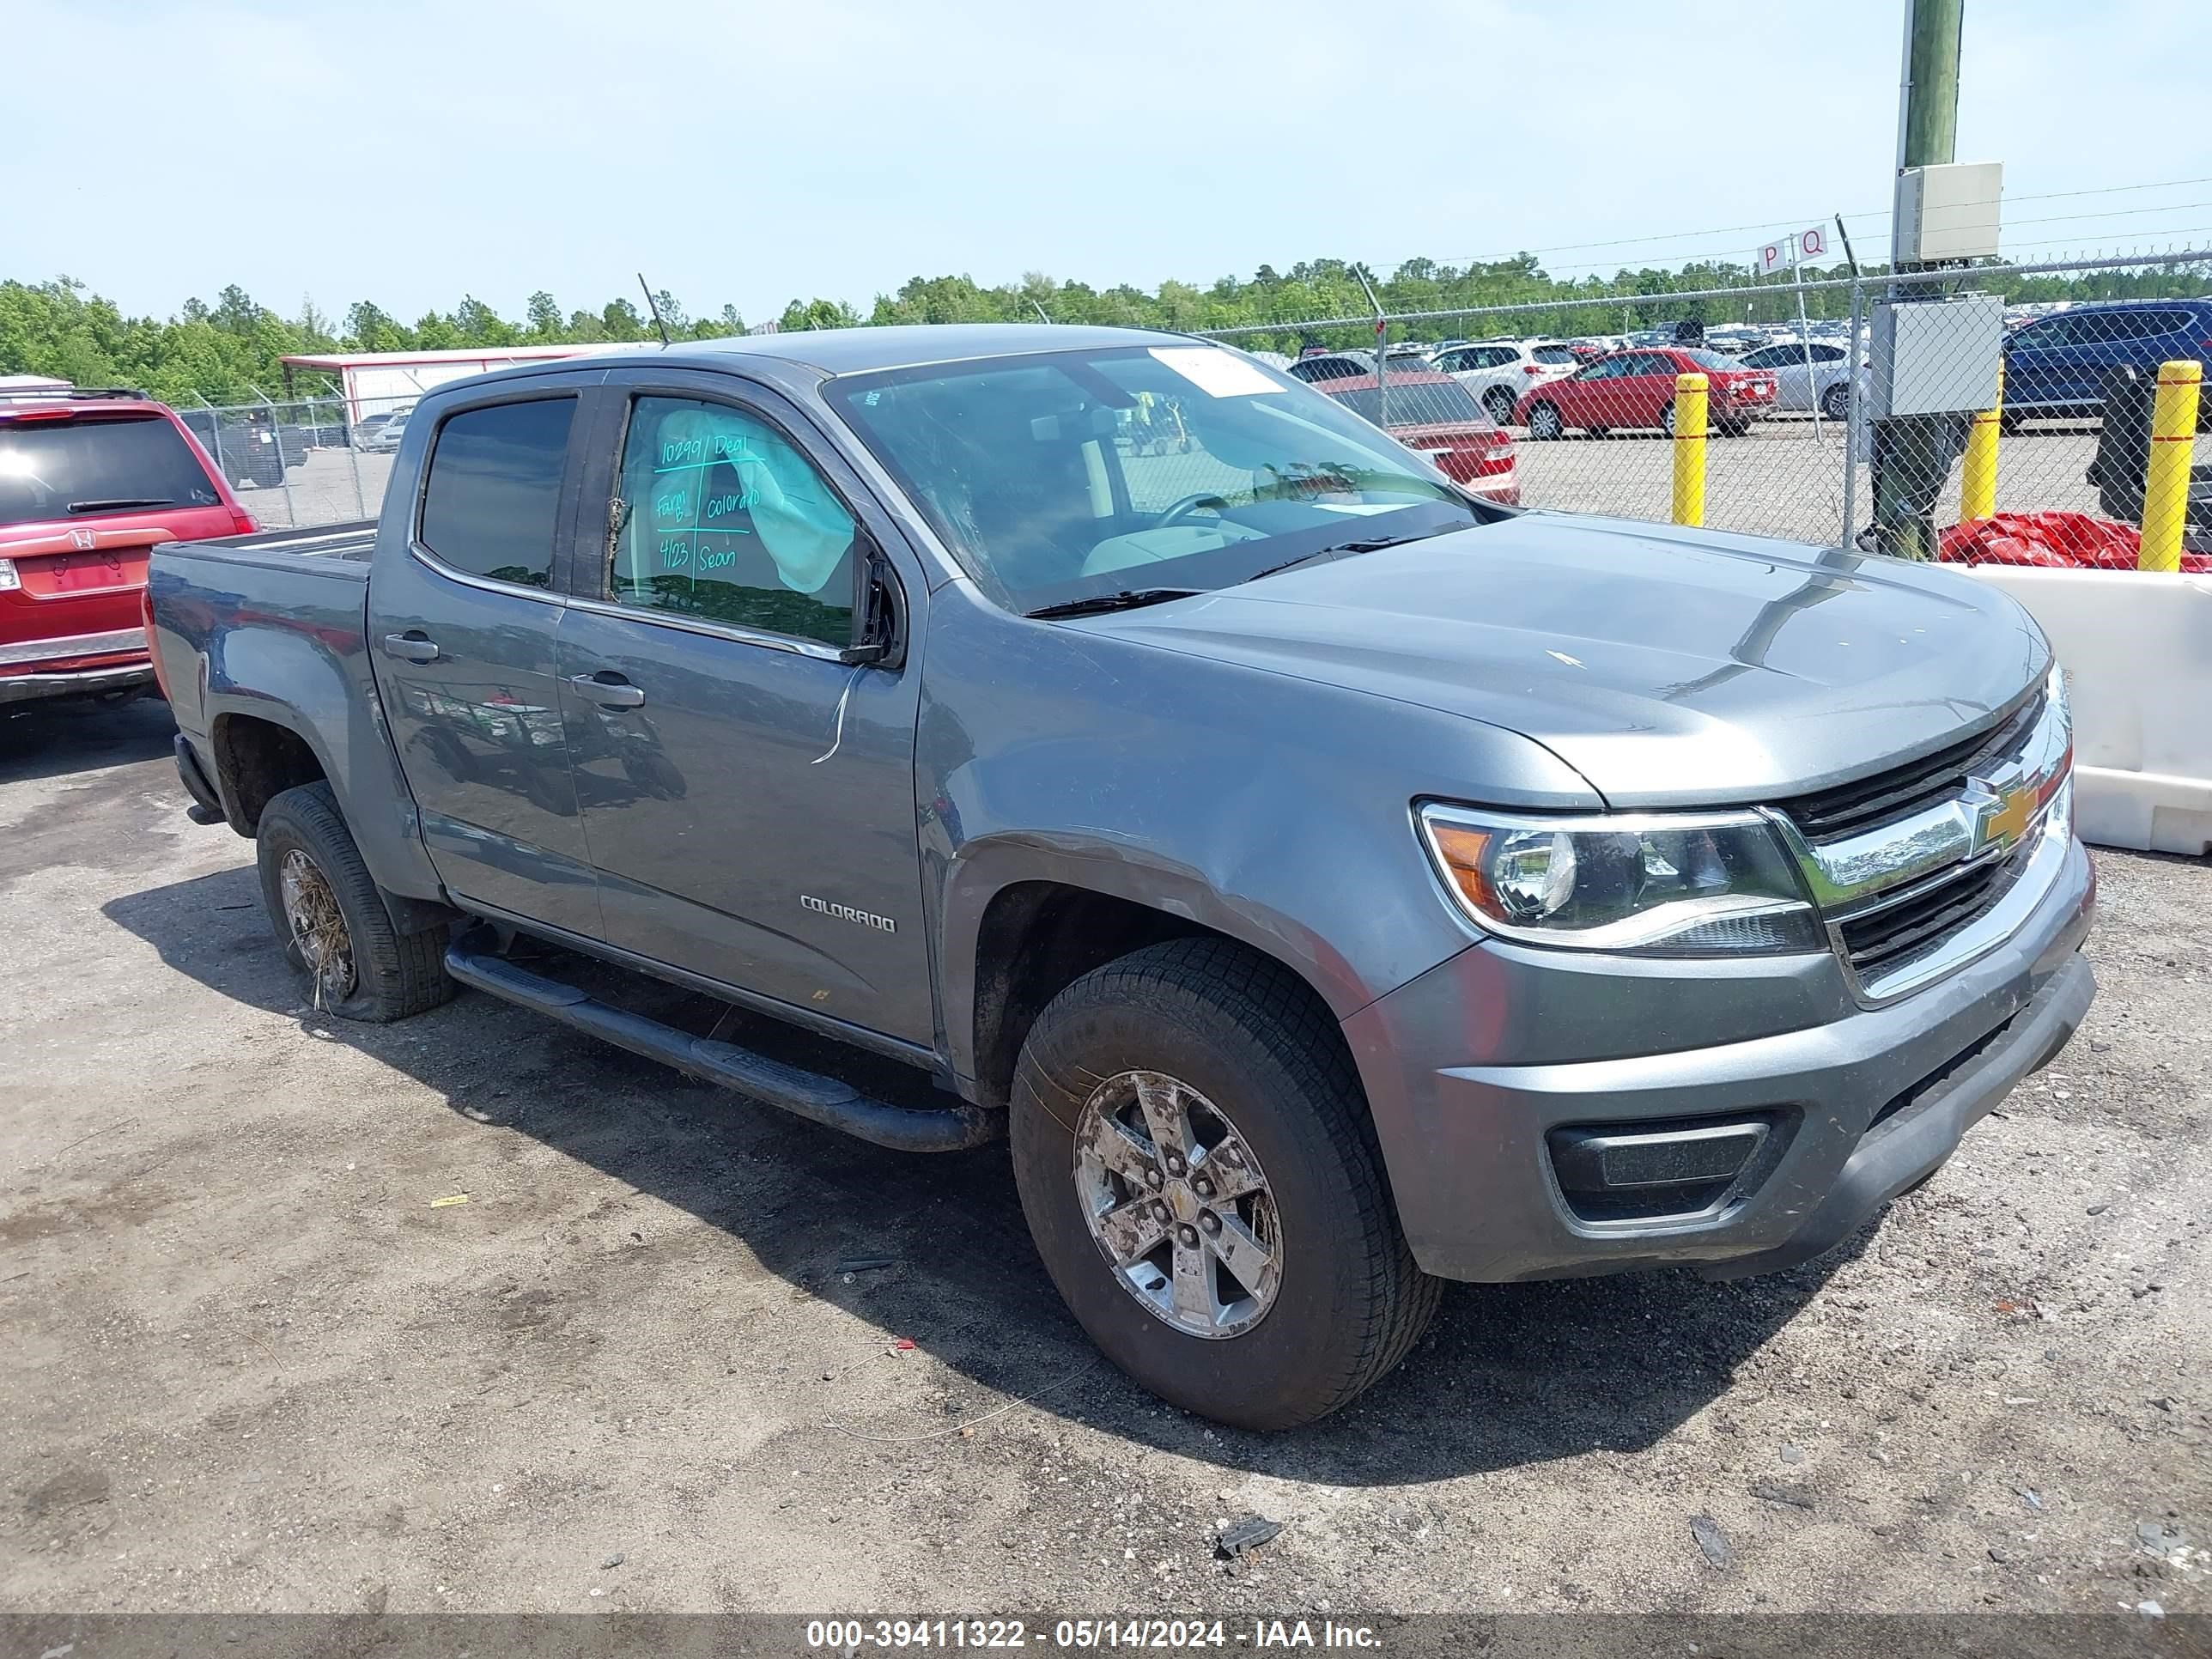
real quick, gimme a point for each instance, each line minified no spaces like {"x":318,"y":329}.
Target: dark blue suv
{"x":2057,"y":365}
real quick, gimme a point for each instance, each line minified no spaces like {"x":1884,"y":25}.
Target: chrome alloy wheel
{"x":1177,"y":1204}
{"x":318,"y":928}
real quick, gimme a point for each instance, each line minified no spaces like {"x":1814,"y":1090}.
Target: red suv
{"x":1637,"y":388}
{"x":89,"y":481}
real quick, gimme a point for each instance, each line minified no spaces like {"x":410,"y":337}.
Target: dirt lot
{"x":253,"y":1363}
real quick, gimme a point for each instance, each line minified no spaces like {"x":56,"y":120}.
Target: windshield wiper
{"x":1337,"y":550}
{"x":1128,"y":598}
{"x":122,"y":500}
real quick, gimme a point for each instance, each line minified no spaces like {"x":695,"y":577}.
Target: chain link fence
{"x":306,"y":462}
{"x":1804,"y":442}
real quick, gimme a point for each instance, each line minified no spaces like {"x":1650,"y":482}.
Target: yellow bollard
{"x":2166,"y":480}
{"x":1690,"y":449}
{"x":1977,"y":479}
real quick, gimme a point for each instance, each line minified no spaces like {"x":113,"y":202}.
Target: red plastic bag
{"x":2070,"y":541}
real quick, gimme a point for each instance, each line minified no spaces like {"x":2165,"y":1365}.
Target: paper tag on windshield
{"x":1217,"y":373}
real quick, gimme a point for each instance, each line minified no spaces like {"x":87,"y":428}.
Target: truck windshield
{"x":81,"y":468}
{"x":1067,"y":476}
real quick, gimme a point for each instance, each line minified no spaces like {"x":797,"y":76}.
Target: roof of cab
{"x":834,"y":351}
{"x":910,"y":345}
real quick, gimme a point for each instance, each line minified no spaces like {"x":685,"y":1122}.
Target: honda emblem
{"x":86,"y":539}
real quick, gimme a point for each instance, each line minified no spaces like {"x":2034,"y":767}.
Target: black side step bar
{"x":810,"y":1095}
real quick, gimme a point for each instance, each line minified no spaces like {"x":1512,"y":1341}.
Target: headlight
{"x":1679,"y":885}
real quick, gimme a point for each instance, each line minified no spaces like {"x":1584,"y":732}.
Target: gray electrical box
{"x":1936,"y":357}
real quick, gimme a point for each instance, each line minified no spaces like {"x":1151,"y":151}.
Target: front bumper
{"x":1470,"y":1067}
{"x":75,"y":682}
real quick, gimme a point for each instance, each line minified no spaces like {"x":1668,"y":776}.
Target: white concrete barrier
{"x":2137,"y":651}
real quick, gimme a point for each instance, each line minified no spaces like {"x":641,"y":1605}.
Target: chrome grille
{"x":1902,"y":790}
{"x":1920,"y":869}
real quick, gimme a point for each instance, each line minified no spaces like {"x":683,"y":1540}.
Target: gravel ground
{"x":1785,"y":478}
{"x":254,"y":1362}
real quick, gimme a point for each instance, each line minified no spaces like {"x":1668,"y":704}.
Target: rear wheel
{"x":1194,"y":1157}
{"x":1544,"y":422}
{"x":1835,"y":403}
{"x":1667,"y":418}
{"x":325,"y":905}
{"x":1732,"y":428}
{"x":1498,"y":403}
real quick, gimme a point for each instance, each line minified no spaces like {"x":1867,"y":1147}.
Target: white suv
{"x":1498,"y":371}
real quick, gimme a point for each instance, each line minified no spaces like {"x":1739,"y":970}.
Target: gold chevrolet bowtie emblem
{"x":2006,"y":820}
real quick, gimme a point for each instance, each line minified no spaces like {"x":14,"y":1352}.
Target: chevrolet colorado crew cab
{"x":1330,"y":882}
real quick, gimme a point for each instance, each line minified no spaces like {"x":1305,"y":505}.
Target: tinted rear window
{"x":68,"y":468}
{"x":1422,"y":405}
{"x":495,"y":489}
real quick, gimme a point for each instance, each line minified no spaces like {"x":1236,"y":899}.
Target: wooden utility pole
{"x":1928,"y":109}
{"x":1912,"y":456}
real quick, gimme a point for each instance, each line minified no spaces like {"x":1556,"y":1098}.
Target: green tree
{"x":542,"y":318}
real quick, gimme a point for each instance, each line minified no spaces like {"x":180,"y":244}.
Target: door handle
{"x":608,"y":694}
{"x":411,"y":648}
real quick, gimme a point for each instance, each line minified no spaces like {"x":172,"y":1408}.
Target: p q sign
{"x":1806,"y":246}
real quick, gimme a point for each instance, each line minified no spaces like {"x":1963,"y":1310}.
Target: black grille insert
{"x":1905,"y":929}
{"x":1850,"y":807}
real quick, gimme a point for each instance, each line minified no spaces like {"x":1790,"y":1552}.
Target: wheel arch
{"x":257,"y":757}
{"x":1021,"y":923}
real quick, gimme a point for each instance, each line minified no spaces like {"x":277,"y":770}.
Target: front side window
{"x":728,"y":522}
{"x":1068,"y":475}
{"x":493,"y":491}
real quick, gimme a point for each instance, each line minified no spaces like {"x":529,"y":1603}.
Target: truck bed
{"x":287,"y":606}
{"x":349,"y":543}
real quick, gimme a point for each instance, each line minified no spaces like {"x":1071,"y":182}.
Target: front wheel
{"x":1667,"y":418}
{"x":325,"y":905}
{"x":1835,"y":403}
{"x":1544,"y":422}
{"x":1196,"y":1163}
{"x":1497,"y":402}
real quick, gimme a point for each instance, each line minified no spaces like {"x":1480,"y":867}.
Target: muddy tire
{"x":327,"y":911}
{"x":1200,"y":1173}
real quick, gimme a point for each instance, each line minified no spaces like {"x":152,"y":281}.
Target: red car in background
{"x":1438,"y":415}
{"x":89,"y":481}
{"x":1637,"y":389}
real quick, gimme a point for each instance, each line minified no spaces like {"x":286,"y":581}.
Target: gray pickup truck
{"x":1328,"y":881}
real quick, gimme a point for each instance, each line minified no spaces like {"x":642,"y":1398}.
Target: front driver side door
{"x":748,"y":798}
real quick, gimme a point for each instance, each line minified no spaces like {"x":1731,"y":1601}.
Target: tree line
{"x":230,"y":352}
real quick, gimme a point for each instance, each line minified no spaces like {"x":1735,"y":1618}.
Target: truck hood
{"x":1668,"y":666}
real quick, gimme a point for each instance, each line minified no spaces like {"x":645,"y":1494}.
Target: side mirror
{"x":878,"y":638}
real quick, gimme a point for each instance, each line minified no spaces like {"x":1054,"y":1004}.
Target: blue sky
{"x":410,"y":151}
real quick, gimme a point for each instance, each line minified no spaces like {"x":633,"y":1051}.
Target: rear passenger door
{"x":461,"y":629}
{"x":747,"y":796}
